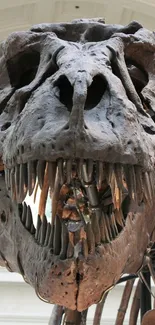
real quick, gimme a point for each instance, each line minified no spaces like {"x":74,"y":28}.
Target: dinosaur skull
{"x":77,"y":118}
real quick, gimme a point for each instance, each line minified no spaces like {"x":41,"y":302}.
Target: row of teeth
{"x":22,"y":178}
{"x":102,"y":227}
{"x":61,"y":242}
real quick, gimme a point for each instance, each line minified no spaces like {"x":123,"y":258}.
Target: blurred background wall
{"x":21,"y":14}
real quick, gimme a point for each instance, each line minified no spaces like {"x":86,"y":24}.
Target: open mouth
{"x":89,"y":201}
{"x":87,"y":212}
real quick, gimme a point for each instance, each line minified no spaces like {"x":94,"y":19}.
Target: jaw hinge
{"x":37,"y":292}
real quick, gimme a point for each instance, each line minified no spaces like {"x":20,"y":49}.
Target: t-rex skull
{"x":77,"y":108}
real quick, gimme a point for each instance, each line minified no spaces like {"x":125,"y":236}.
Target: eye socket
{"x":137,"y":74}
{"x":3,"y":221}
{"x":3,"y":217}
{"x":23,"y":68}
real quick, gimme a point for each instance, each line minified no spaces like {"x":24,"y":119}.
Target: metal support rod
{"x":98,"y":311}
{"x":134,"y":311}
{"x":56,"y":316}
{"x":124,"y":302}
{"x":145,"y":301}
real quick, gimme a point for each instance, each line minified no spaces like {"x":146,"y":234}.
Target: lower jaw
{"x":79,"y":283}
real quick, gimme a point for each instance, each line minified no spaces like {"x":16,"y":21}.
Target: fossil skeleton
{"x":77,"y":109}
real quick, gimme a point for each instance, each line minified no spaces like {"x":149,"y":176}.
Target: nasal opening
{"x":95,"y":92}
{"x":65,"y":91}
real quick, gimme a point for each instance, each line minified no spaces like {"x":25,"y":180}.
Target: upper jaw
{"x":112,"y":131}
{"x":75,"y":145}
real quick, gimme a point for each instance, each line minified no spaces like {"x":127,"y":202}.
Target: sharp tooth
{"x":90,"y":168}
{"x":55,"y":198}
{"x":38,"y":227}
{"x":131,"y":181}
{"x":39,"y":235}
{"x":113,"y":186}
{"x":33,"y":230}
{"x":105,"y":228}
{"x":64,"y":242}
{"x":118,"y":185}
{"x":17,"y":180}
{"x":119,"y":218}
{"x":52,"y":174}
{"x":57,"y":236}
{"x":24,"y":213}
{"x":40,"y":172}
{"x":139,"y":183}
{"x":107,"y":223}
{"x":31,"y":176}
{"x":102,"y":229}
{"x":22,"y":183}
{"x":48,"y":232}
{"x":80,"y":169}
{"x":95,"y":225}
{"x":43,"y":229}
{"x":68,"y":170}
{"x":35,"y":192}
{"x":118,"y":198}
{"x":43,"y":196}
{"x":100,"y":174}
{"x":29,"y":219}
{"x":115,"y":181}
{"x":50,"y":241}
{"x":12,"y":184}
{"x":9,"y":178}
{"x":92,"y":194}
{"x":108,"y":226}
{"x":114,"y":224}
{"x":152,"y":183}
{"x":87,"y":171}
{"x":110,"y":173}
{"x":60,"y":171}
{"x":90,"y":238}
{"x":147,"y":188}
{"x":119,"y":175}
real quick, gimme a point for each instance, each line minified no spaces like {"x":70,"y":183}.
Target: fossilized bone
{"x":77,"y":117}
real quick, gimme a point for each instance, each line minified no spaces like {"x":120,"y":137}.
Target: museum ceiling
{"x":21,"y":14}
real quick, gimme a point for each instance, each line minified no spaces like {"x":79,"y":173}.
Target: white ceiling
{"x":21,"y":14}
